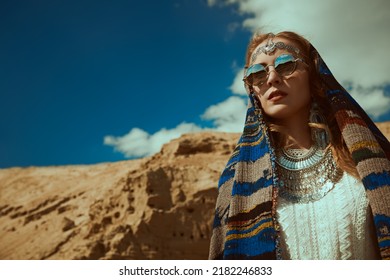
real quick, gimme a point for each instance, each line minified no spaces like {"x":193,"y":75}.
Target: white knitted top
{"x":338,"y":226}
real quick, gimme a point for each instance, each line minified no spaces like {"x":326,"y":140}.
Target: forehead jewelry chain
{"x":271,"y":46}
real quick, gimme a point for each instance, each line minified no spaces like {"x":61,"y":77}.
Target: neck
{"x":298,"y":132}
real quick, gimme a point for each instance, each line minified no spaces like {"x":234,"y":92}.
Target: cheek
{"x":298,"y":85}
{"x":262,"y":101}
{"x":305,"y":88}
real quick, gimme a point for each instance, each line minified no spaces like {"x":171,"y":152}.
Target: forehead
{"x":270,"y":58}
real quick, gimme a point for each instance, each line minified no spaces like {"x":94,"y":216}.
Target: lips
{"x":276,"y":95}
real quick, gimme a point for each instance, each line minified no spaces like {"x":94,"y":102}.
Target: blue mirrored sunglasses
{"x":257,"y":74}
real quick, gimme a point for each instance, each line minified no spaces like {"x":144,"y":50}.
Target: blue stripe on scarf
{"x":253,"y":153}
{"x":324,"y":69}
{"x":217,"y":220}
{"x":376,"y":180}
{"x":226,"y":176}
{"x":385,"y":243}
{"x":334,"y":91}
{"x":247,"y":188}
{"x":382,"y":223}
{"x":219,"y":215}
{"x":252,"y":246}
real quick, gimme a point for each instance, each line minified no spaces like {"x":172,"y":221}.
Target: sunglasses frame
{"x":295,"y":60}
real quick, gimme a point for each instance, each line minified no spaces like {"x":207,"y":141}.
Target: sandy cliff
{"x":159,"y":207}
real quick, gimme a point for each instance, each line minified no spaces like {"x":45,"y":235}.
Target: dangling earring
{"x":319,"y":135}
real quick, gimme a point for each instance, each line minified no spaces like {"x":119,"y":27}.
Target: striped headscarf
{"x":245,"y":225}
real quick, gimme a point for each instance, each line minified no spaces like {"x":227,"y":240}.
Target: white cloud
{"x":377,"y":103}
{"x":238,"y":86}
{"x":227,"y":116}
{"x":211,"y":2}
{"x":139,"y":143}
{"x":351,"y":36}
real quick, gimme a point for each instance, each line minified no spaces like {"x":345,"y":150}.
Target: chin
{"x":278,"y":113}
{"x":284,"y":112}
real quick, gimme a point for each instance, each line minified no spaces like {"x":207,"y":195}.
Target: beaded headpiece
{"x":271,"y":46}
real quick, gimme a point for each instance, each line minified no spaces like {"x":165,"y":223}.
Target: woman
{"x":310,"y":176}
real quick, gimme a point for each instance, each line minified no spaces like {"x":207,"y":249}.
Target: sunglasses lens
{"x":286,"y":68}
{"x":258,"y":78}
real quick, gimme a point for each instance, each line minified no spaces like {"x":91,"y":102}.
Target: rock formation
{"x":160,"y":207}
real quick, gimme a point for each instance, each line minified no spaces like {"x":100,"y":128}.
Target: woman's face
{"x":283,"y":97}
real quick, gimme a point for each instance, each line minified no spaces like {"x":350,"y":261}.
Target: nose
{"x":273,"y":77}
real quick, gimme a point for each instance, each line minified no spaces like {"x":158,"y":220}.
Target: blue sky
{"x":75,"y":71}
{"x":83,"y":81}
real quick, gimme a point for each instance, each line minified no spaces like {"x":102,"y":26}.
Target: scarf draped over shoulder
{"x":245,"y":225}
